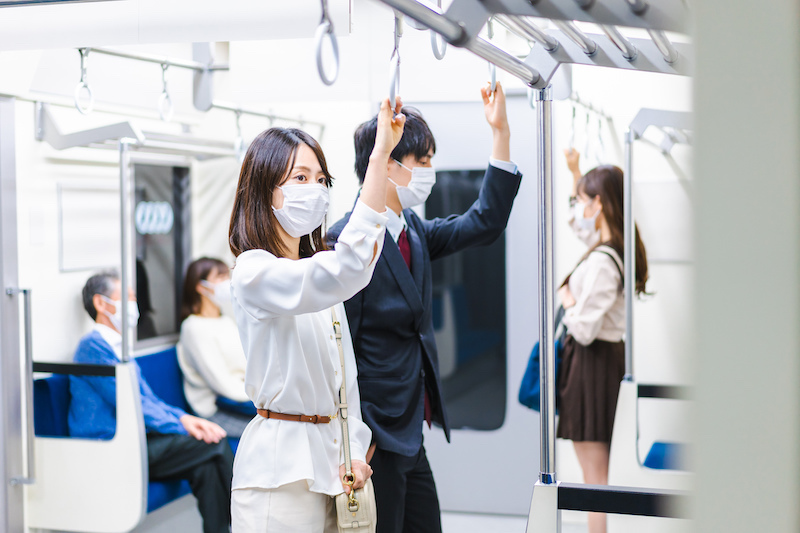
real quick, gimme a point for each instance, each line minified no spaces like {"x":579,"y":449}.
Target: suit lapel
{"x":417,"y":267}
{"x":397,"y":265}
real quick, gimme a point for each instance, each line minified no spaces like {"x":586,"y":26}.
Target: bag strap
{"x":610,"y":252}
{"x":349,"y":478}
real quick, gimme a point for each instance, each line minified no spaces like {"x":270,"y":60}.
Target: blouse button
{"x":331,"y":337}
{"x":335,"y":441}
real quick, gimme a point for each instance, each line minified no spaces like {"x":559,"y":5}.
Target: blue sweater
{"x":92,"y":410}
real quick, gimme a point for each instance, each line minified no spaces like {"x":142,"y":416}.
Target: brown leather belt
{"x":311,"y":419}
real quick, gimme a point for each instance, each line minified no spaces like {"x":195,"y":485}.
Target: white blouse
{"x":599,"y":310}
{"x":282,"y":308}
{"x":212,"y":361}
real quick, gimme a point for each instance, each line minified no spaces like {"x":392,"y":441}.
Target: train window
{"x":162,"y":216}
{"x":469,"y":314}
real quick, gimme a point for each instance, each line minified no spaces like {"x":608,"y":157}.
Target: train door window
{"x":469,"y":313}
{"x":162,"y":216}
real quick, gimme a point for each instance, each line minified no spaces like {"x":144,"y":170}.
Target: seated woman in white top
{"x":284,"y":286}
{"x":210,"y":351}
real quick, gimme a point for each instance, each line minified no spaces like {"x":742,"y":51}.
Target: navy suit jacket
{"x":391,"y":320}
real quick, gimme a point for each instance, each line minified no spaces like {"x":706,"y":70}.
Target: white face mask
{"x":220,"y":295}
{"x":116,"y":318}
{"x":585,"y":228}
{"x":418,"y":189}
{"x":304,"y":208}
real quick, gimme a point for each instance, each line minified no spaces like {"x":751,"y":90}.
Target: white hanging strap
{"x":394,"y":61}
{"x":492,"y":67}
{"x":325,"y":29}
{"x":165,"y":107}
{"x":83,"y":85}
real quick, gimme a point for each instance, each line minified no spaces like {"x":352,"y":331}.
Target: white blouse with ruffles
{"x":282,"y":308}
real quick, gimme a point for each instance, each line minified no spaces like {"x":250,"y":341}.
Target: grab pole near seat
{"x":547,"y":465}
{"x":630,"y":252}
{"x":127,"y":197}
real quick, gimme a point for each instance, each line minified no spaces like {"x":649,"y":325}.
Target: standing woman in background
{"x":593,"y":358}
{"x":284,"y":287}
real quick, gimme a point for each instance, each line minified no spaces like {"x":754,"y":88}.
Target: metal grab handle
{"x":83,"y":85}
{"x":438,"y":53}
{"x":29,"y":477}
{"x":165,"y":107}
{"x":492,"y":76}
{"x":394,"y":79}
{"x":326,"y":29}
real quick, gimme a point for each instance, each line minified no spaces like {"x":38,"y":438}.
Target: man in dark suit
{"x":391,"y":319}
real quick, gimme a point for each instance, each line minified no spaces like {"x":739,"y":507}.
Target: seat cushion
{"x":51,"y":406}
{"x":667,"y":456}
{"x":160,"y":493}
{"x":163,"y":374}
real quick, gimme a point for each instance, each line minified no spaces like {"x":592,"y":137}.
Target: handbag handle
{"x":348,"y":478}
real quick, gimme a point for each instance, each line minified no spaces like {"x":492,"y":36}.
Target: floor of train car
{"x":484,"y":523}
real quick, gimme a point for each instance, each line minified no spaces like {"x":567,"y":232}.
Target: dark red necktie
{"x":405,"y":248}
{"x":405,"y":251}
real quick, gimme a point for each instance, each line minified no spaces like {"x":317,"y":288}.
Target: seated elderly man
{"x":179,"y":445}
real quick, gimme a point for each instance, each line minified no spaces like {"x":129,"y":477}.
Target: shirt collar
{"x":396,"y":224}
{"x":113,"y":338}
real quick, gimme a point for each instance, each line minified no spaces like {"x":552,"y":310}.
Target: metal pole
{"x":629,"y":51}
{"x":547,"y":369}
{"x":664,"y":45}
{"x":630,"y":253}
{"x":486,"y":50}
{"x":588,"y":46}
{"x":529,"y":31}
{"x":127,"y":198}
{"x":432,"y":17}
{"x":179,"y":63}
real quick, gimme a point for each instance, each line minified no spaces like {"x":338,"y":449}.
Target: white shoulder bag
{"x":356,"y":512}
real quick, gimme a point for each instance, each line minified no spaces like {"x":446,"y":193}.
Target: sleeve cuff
{"x":508,"y":166}
{"x":367,"y":214}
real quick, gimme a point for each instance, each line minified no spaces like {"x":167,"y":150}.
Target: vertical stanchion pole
{"x":547,"y":464}
{"x":127,"y":197}
{"x":630,"y":253}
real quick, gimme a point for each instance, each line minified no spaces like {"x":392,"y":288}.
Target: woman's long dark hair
{"x":268,"y":161}
{"x":196,"y":272}
{"x":606,"y":182}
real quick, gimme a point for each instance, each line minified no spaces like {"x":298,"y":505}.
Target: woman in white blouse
{"x":284,"y":285}
{"x":209,"y":351}
{"x":593,"y":358}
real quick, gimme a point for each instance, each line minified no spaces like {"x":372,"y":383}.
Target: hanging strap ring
{"x":165,"y":107}
{"x":438,"y":53}
{"x":83,"y":86}
{"x":394,"y":78}
{"x":325,"y":29}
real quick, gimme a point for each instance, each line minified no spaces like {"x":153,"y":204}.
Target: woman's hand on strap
{"x":389,"y":131}
{"x":362,"y":472}
{"x":390,"y":128}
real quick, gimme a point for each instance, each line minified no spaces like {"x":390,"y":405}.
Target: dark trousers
{"x":405,"y":493}
{"x":207,"y":467}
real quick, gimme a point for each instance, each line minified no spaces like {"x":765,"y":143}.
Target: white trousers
{"x":290,"y":508}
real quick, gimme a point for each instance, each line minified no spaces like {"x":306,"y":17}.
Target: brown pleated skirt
{"x":588,"y":386}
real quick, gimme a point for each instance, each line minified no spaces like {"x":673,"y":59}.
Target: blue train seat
{"x":667,"y":456}
{"x":163,"y":374}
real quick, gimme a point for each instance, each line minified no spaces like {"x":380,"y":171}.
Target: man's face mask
{"x":418,"y":189}
{"x":116,"y":317}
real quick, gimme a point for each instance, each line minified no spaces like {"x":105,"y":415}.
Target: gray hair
{"x":101,"y":283}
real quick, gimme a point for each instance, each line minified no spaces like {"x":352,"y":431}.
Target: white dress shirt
{"x":212,"y":361}
{"x":599,"y":310}
{"x":111,"y":336}
{"x":282,"y":308}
